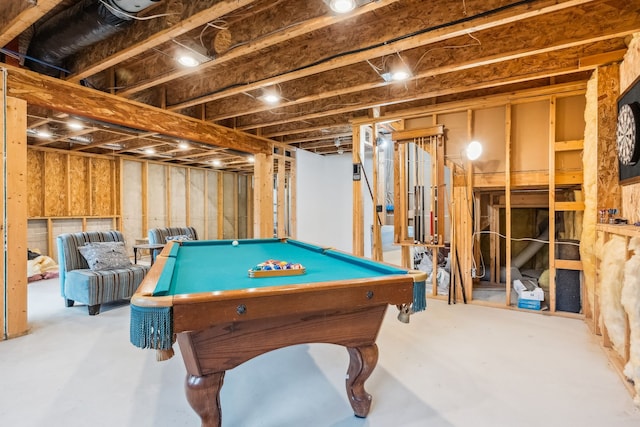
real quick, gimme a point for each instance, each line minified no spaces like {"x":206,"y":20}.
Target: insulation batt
{"x":612,"y":269}
{"x":631,"y":302}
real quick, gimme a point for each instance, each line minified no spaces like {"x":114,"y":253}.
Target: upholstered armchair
{"x":160,"y":236}
{"x":101,"y":273}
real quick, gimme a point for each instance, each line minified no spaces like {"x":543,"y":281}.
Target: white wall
{"x":324,"y":199}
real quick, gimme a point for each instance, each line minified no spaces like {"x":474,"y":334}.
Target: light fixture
{"x":342,"y":6}
{"x":474,"y":150}
{"x":251,"y":159}
{"x":183,"y":145}
{"x":149,"y":151}
{"x":216,"y":162}
{"x":44,"y":132}
{"x":396,"y":70}
{"x":187,"y":60}
{"x":270,"y":95}
{"x":75,"y":125}
{"x":191,"y":55}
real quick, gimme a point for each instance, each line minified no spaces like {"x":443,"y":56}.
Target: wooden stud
{"x":552,"y":204}
{"x":358,"y":213}
{"x":281,"y":202}
{"x":13,"y":116}
{"x":220,"y":218}
{"x":507,"y":194}
{"x":263,"y":197}
{"x":144,"y":178}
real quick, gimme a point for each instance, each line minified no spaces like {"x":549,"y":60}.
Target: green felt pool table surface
{"x":207,"y":266}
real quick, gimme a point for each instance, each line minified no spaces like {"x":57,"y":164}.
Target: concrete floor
{"x":458,"y":365}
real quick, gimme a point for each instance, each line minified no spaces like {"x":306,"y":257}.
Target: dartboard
{"x":628,"y":133}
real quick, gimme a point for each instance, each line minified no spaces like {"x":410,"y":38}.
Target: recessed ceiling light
{"x":75,"y":125}
{"x":44,"y":133}
{"x":216,"y":162}
{"x":183,"y":146}
{"x":474,"y":150}
{"x":188,"y":60}
{"x":342,"y":6}
{"x":149,"y":151}
{"x":251,"y":159}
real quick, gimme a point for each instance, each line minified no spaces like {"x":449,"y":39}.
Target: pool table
{"x":201,"y":293}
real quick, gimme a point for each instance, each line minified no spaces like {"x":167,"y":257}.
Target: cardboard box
{"x":536,"y":293}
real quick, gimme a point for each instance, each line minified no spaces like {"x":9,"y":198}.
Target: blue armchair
{"x":159,"y":235}
{"x":94,"y":287}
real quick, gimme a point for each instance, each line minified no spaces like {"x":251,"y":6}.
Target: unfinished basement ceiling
{"x":328,"y":68}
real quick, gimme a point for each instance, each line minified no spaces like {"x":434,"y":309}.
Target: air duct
{"x":80,"y":26}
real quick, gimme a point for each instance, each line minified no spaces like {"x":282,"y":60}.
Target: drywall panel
{"x":197,"y":200}
{"x":35,"y":184}
{"x":55,"y":184}
{"x":530,"y":136}
{"x":456,"y":137}
{"x":178,"y":196}
{"x":212,"y":205}
{"x":488,"y":128}
{"x":570,"y":118}
{"x":132,"y":201}
{"x":157,"y":196}
{"x":324,"y":199}
{"x":419,"y":122}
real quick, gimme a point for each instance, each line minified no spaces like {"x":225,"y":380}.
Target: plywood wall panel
{"x":78,"y":185}
{"x":35,"y":177}
{"x":630,"y":66}
{"x":55,"y":184}
{"x":608,"y":91}
{"x":103,"y":193}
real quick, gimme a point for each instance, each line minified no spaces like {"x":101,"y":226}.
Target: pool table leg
{"x":203,"y":394}
{"x":362,"y":361}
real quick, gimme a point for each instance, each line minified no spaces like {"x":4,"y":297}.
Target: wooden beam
{"x":70,"y":98}
{"x":287,"y":32}
{"x":445,"y":32}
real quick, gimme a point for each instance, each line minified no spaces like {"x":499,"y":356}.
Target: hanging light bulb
{"x":474,"y":150}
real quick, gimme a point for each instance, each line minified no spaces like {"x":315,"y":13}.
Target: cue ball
{"x":235,"y":243}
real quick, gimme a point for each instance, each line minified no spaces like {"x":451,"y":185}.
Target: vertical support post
{"x":358,"y":218}
{"x":13,"y":295}
{"x":263,"y":195}
{"x":144,"y":182}
{"x":220,"y":218}
{"x":293,"y":213}
{"x":468,"y":225}
{"x":552,"y":204}
{"x":281,"y":204}
{"x":507,"y":197}
{"x":377,"y":235}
